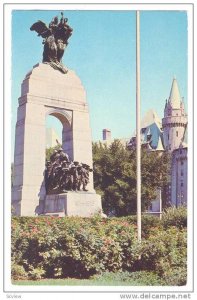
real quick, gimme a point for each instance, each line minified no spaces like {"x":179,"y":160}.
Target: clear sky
{"x":102,"y":53}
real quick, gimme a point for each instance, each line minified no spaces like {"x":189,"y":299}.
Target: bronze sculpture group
{"x":62,"y":175}
{"x":55,"y":37}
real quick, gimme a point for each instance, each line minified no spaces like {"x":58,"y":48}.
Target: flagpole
{"x":138,"y":138}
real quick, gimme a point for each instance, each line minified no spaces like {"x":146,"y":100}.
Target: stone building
{"x":106,"y":134}
{"x":151,"y":132}
{"x":174,"y":126}
{"x":179,"y":174}
{"x":170,"y":134}
{"x":108,"y":140}
{"x":175,"y":119}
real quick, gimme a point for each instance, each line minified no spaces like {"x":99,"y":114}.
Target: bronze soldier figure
{"x":55,"y":41}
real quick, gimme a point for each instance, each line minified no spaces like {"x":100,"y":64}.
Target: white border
{"x":7,"y":141}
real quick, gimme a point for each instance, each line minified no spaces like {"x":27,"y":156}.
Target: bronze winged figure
{"x":55,"y":39}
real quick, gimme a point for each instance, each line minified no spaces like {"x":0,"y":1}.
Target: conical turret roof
{"x":175,"y":98}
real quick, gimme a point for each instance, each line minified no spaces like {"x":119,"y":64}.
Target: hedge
{"x":75,"y":247}
{"x":175,"y":217}
{"x":49,"y":247}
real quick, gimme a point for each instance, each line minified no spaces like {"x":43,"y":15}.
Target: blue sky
{"x":102,"y":53}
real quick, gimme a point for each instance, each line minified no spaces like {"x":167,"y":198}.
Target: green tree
{"x":115,"y":176}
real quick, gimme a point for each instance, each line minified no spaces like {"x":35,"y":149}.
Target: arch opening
{"x":59,"y":130}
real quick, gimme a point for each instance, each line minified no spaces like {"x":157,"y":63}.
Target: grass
{"x":74,"y":282}
{"x":105,"y":279}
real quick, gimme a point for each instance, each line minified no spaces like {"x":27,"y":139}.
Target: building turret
{"x":175,"y":119}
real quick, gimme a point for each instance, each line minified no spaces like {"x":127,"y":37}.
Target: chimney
{"x":106,"y":134}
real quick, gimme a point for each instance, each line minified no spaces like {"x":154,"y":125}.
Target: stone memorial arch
{"x":50,"y":89}
{"x":46,"y":91}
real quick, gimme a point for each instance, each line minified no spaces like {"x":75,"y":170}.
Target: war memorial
{"x":62,"y":185}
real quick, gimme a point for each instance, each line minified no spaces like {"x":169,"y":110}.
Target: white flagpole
{"x":138,"y":139}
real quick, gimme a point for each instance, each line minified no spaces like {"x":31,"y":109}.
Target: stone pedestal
{"x":83,"y":204}
{"x":44,"y":92}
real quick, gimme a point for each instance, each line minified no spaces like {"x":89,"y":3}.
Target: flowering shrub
{"x":165,"y":252}
{"x":74,"y":247}
{"x":149,"y":224}
{"x":49,"y":247}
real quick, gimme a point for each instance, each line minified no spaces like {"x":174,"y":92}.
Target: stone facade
{"x":179,"y":176}
{"x":174,"y":131}
{"x":46,"y":91}
{"x":175,"y":119}
{"x":81,"y":204}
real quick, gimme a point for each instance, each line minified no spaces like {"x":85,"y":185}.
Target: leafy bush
{"x":175,"y":217}
{"x":18,"y":272}
{"x":49,"y":247}
{"x":73,"y":247}
{"x":165,"y":252}
{"x":147,"y":278}
{"x":35,"y":273}
{"x":149,"y":224}
{"x":176,"y":276}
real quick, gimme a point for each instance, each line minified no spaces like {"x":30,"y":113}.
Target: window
{"x":177,"y":133}
{"x":181,"y":173}
{"x":181,"y":184}
{"x":181,"y":162}
{"x":168,"y":136}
